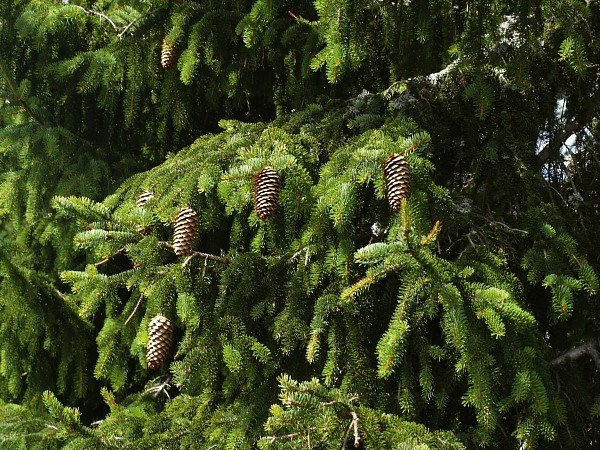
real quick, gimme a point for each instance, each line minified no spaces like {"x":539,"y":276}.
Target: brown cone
{"x":266,"y":192}
{"x":168,"y":54}
{"x":160,"y":333}
{"x":186,"y":225}
{"x":397,"y":180}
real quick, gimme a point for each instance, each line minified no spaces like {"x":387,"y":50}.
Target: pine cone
{"x":168,"y":54}
{"x":186,"y":225}
{"x":160,"y":333}
{"x":143,"y":198}
{"x":266,"y":192}
{"x":397,"y":180}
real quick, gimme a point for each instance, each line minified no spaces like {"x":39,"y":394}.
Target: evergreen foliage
{"x":225,"y":166}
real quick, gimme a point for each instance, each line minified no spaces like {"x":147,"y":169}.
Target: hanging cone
{"x":266,"y":192}
{"x":186,"y":225}
{"x":397,"y":180}
{"x":143,"y":198}
{"x":168,"y":54}
{"x":160,"y":333}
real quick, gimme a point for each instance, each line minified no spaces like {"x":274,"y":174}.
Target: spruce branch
{"x":130,"y":24}
{"x":120,"y":31}
{"x":582,"y":118}
{"x":16,"y":97}
{"x":551,"y":149}
{"x":432,"y":79}
{"x":98,"y":13}
{"x":589,"y":348}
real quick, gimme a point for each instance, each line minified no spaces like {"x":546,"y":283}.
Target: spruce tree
{"x":322,"y":224}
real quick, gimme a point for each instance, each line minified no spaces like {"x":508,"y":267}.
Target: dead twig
{"x":352,"y":427}
{"x":109,"y":257}
{"x":134,"y":309}
{"x":288,"y":437}
{"x":99,"y":14}
{"x":120,"y":31}
{"x":207,"y":256}
{"x":130,"y":24}
{"x":162,"y":387}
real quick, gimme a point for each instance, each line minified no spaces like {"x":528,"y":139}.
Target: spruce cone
{"x":143,"y":198}
{"x":168,"y":54}
{"x":266,"y":192}
{"x":160,"y":333}
{"x":186,"y":225}
{"x":397,"y":180}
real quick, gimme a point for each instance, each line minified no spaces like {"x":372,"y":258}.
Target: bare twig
{"x":204,"y":267}
{"x":98,"y":13}
{"x":288,"y":437}
{"x":509,"y":228}
{"x":295,"y":256}
{"x":163,"y":386}
{"x":220,"y":259}
{"x":109,"y":257}
{"x":589,"y":348}
{"x":134,"y":309}
{"x":120,"y":31}
{"x":354,"y":427}
{"x":130,"y":24}
{"x":62,"y":295}
{"x":595,"y":355}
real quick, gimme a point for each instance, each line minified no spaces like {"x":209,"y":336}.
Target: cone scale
{"x":143,"y":198}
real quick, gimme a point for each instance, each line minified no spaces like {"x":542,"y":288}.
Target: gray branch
{"x":589,"y":348}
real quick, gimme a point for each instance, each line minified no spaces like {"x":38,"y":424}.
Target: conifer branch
{"x":589,"y":348}
{"x":98,"y":13}
{"x":120,"y":31}
{"x":130,"y":24}
{"x":582,"y":118}
{"x":552,"y":148}
{"x":17,"y":97}
{"x":432,"y":78}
